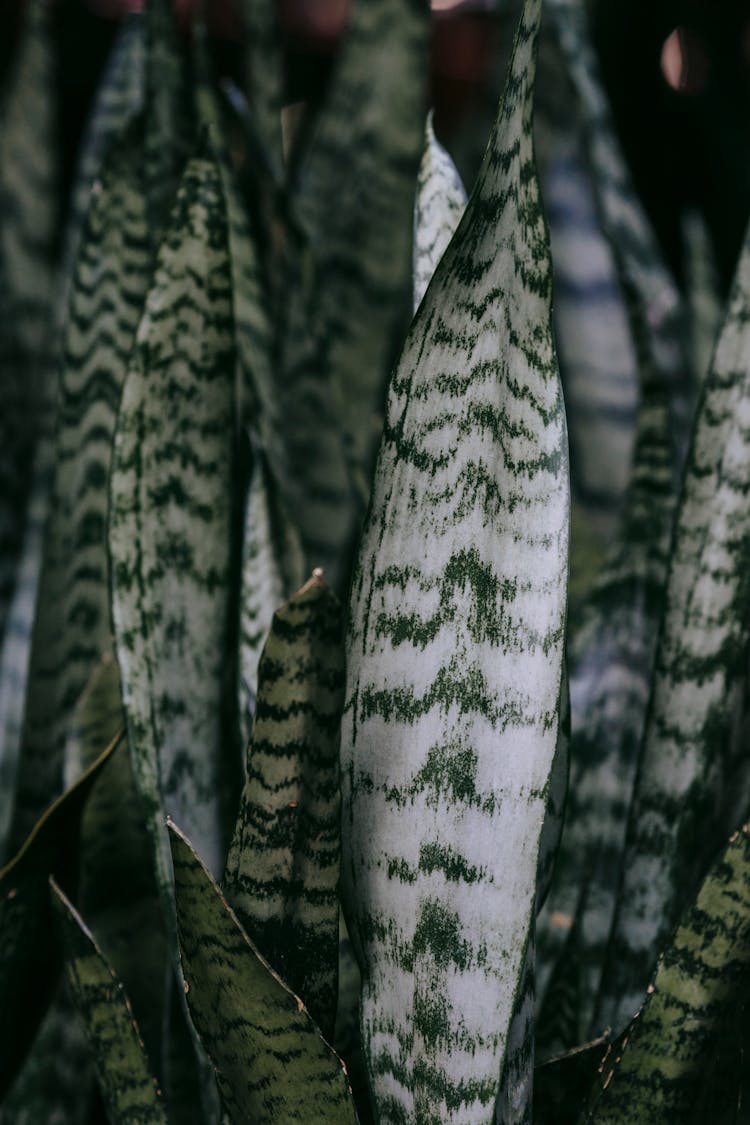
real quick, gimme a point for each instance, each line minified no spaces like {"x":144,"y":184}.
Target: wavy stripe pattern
{"x":271,"y":1062}
{"x":438,"y":207}
{"x":455,"y":650}
{"x":170,"y":523}
{"x":687,"y":783}
{"x":282,"y":873}
{"x":128,"y":1089}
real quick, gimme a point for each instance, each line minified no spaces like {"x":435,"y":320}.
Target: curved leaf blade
{"x":271,"y":1062}
{"x":455,"y":652}
{"x":128,"y":1088}
{"x":282,"y":873}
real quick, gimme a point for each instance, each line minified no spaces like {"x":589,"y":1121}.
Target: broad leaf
{"x":438,"y":207}
{"x":170,"y":533}
{"x":455,"y":652}
{"x":691,"y":787}
{"x":272,"y":1063}
{"x":660,"y":1061}
{"x":282,"y":874}
{"x":129,"y":1091}
{"x":29,"y":959}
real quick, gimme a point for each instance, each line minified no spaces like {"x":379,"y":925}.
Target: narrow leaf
{"x":271,"y":1062}
{"x":129,"y":1091}
{"x":440,"y":203}
{"x":170,"y":535}
{"x":655,"y":1073}
{"x":690,"y":786}
{"x":282,"y":874}
{"x":455,"y":651}
{"x":264,"y":79}
{"x":29,"y":961}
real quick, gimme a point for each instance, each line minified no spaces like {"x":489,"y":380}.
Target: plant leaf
{"x":72,"y":628}
{"x":29,"y":962}
{"x":440,"y":203}
{"x":170,"y":534}
{"x":128,"y":1089}
{"x":689,"y":786}
{"x":265,"y":76}
{"x":169,"y":133}
{"x":455,"y":651}
{"x":656,"y":1071}
{"x":271,"y":1062}
{"x":282,"y":873}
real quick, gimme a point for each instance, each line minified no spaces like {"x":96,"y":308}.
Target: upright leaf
{"x":271,"y":1062}
{"x":29,"y":960}
{"x":282,"y":874}
{"x":169,"y":123}
{"x":129,"y":1091}
{"x":690,"y":788}
{"x":657,"y":1071}
{"x":265,"y":74}
{"x":72,"y":627}
{"x":170,"y":534}
{"x":455,"y":652}
{"x":438,"y":207}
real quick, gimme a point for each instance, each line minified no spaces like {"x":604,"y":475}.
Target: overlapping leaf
{"x":656,"y":1071}
{"x":282,"y":874}
{"x":455,"y":654}
{"x":170,"y":532}
{"x":271,"y":1061}
{"x":29,"y":961}
{"x":690,"y":785}
{"x":128,"y":1088}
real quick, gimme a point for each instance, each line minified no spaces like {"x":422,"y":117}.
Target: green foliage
{"x":455,"y":830}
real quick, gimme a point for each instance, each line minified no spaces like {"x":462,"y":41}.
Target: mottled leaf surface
{"x":29,"y":960}
{"x":170,"y":516}
{"x":271,"y":1061}
{"x":282,"y":873}
{"x":656,"y":1071}
{"x":454,"y":655}
{"x":128,"y":1089}
{"x":690,"y":789}
{"x":438,"y":207}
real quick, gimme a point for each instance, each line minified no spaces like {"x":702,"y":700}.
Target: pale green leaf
{"x":438,"y":207}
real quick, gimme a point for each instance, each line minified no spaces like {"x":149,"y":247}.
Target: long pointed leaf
{"x":688,"y":787}
{"x":128,"y":1089}
{"x":283,"y":868}
{"x":455,"y":651}
{"x":438,"y":207}
{"x":272,"y":1063}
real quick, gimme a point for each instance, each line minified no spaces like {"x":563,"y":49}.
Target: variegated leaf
{"x":272,"y":1063}
{"x":170,"y":533}
{"x":169,"y":123}
{"x":613,"y":648}
{"x":690,"y":786}
{"x":72,"y":627}
{"x":438,"y":207}
{"x":282,"y":873}
{"x":654,"y":1075}
{"x":128,"y":1089}
{"x":455,"y":653}
{"x":265,"y":74}
{"x":29,"y":962}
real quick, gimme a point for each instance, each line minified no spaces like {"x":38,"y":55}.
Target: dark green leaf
{"x":272,"y":1063}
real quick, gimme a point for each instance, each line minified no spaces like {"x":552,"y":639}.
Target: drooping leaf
{"x":455,"y":651}
{"x":72,"y":627}
{"x":170,"y":533}
{"x":29,"y":959}
{"x":282,"y":873}
{"x":659,"y":1065}
{"x":438,"y":207}
{"x":128,"y":1088}
{"x":613,"y":648}
{"x":691,"y":785}
{"x":272,"y":1063}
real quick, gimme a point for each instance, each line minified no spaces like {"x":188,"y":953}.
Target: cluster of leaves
{"x":472,"y":853}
